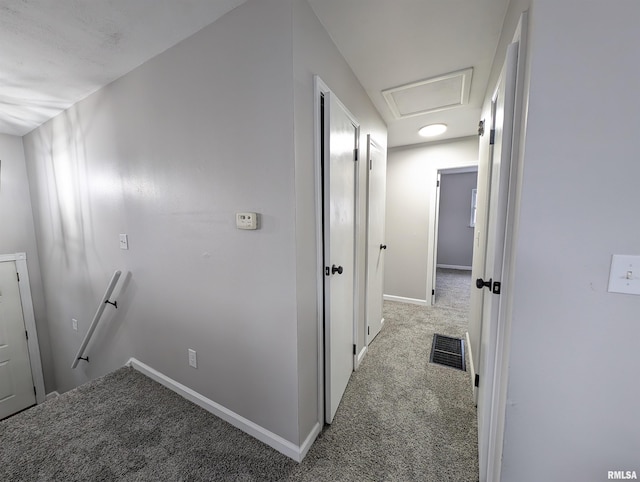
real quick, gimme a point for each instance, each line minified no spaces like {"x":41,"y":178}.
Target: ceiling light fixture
{"x":433,"y":130}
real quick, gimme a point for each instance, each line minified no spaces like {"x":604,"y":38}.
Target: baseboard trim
{"x":401,"y":299}
{"x":454,"y":266}
{"x":51,"y":395}
{"x":275,"y":441}
{"x":308,"y":442}
{"x":361,"y":355}
{"x":472,"y":368}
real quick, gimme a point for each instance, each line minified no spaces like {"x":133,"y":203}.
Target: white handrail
{"x":96,"y":318}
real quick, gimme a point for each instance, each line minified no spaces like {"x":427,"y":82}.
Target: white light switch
{"x":193,"y":360}
{"x":124,"y":241}
{"x":625,"y":274}
{"x":247,"y":220}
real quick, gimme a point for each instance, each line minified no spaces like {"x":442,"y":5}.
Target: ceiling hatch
{"x":430,"y":95}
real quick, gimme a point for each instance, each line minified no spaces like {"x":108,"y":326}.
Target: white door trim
{"x":319,"y":88}
{"x":432,"y":238}
{"x":503,"y":341}
{"x":20,"y":260}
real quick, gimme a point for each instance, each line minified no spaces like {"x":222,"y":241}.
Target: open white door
{"x":490,"y":283}
{"x":376,"y":247}
{"x":17,"y":390}
{"x":436,"y":224}
{"x":339,"y":215}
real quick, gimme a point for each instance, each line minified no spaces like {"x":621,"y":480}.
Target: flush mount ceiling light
{"x":433,"y":130}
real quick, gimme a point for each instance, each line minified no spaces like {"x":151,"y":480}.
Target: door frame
{"x":432,"y":239}
{"x":497,"y":398}
{"x":20,"y":260}
{"x":320,"y":89}
{"x":371,"y":142}
{"x":434,"y":220}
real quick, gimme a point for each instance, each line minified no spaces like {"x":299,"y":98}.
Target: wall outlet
{"x":247,"y":220}
{"x":124,"y":241}
{"x":74,"y":324}
{"x":193,"y":361}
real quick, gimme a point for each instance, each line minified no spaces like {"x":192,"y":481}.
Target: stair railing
{"x":105,"y":301}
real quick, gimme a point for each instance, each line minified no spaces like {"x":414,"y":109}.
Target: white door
{"x":502,"y":126}
{"x":376,"y":247}
{"x":436,"y":224}
{"x":16,"y":383}
{"x":339,"y":171}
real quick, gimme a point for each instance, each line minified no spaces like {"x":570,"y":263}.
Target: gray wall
{"x":168,"y":154}
{"x":411,"y":182}
{"x":220,"y":123}
{"x":455,"y":236}
{"x":572,"y":410}
{"x":17,"y":235}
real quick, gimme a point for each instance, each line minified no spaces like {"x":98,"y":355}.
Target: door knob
{"x":480,"y":283}
{"x":336,"y":269}
{"x":383,"y":246}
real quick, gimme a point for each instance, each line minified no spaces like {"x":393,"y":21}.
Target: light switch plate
{"x":124,"y":241}
{"x":625,"y":274}
{"x":247,"y":220}
{"x":193,"y":360}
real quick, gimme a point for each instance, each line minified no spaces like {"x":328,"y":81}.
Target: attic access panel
{"x":430,"y":95}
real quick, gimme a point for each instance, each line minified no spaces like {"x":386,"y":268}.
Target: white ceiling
{"x":55,"y":53}
{"x":389,"y":43}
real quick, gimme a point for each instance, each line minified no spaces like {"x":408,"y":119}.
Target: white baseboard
{"x":275,"y":441}
{"x":361,"y":355}
{"x":51,"y":395}
{"x":472,"y":368}
{"x":454,"y":266}
{"x":401,"y":299}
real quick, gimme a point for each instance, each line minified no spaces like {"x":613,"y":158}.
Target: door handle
{"x":336,"y":269}
{"x":480,"y":283}
{"x":383,"y":246}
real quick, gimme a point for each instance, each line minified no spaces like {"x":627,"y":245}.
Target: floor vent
{"x":448,"y":351}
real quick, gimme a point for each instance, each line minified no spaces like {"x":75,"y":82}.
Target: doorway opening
{"x":454,"y":236}
{"x":453,"y":227}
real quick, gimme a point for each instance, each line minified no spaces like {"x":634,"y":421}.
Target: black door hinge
{"x":371,"y":164}
{"x":34,"y":391}
{"x":496,"y":287}
{"x":18,"y":276}
{"x":437,"y":183}
{"x":492,"y":137}
{"x":355,"y":154}
{"x":354,"y":349}
{"x":368,"y":330}
{"x":433,"y":292}
{"x":26,"y":333}
{"x":476,"y":382}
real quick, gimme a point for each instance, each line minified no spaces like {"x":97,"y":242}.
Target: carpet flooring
{"x":401,"y":419}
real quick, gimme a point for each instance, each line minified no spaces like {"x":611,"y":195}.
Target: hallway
{"x":401,"y":419}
